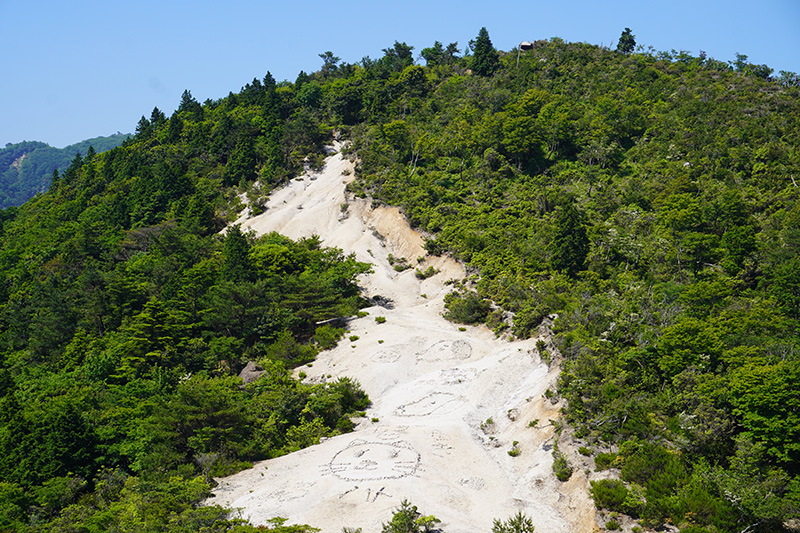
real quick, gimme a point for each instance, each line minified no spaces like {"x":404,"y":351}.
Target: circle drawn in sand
{"x":368,"y":461}
{"x":446,"y":350}
{"x":385,"y":356}
{"x":438,"y":403}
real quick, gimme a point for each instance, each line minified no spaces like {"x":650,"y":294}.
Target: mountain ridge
{"x":638,"y":204}
{"x":32,"y":164}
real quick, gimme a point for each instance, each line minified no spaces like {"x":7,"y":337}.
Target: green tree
{"x":330,"y":63}
{"x":241,"y":164}
{"x":189,"y":105}
{"x":396,"y":58}
{"x":485,"y":61}
{"x":433,"y":55}
{"x":237,"y":265}
{"x":627,"y":42}
{"x":407,"y":519}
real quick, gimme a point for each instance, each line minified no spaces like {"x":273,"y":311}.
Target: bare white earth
{"x":448,"y":403}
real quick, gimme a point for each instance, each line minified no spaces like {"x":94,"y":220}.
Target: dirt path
{"x":448,"y":402}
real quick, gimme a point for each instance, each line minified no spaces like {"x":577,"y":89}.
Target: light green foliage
{"x":427,"y":273}
{"x":644,"y":198}
{"x":561,"y":467}
{"x":519,"y":523}
{"x":406,"y":519}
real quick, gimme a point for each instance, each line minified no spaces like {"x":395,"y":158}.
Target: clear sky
{"x":75,"y":70}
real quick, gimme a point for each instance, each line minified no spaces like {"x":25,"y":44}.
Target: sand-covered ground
{"x":448,"y":402}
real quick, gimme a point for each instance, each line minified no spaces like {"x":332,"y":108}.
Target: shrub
{"x":380,"y":319}
{"x":604,"y":460}
{"x":519,"y":523}
{"x":609,"y":494}
{"x":427,"y":273}
{"x":327,"y":336}
{"x":561,"y":467}
{"x":466,"y":308}
{"x":583,"y":450}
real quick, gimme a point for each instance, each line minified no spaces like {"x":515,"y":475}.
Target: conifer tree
{"x":627,"y":42}
{"x":236,"y":253}
{"x":486,"y":61}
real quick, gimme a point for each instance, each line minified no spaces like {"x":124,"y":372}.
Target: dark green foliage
{"x":609,"y":494}
{"x":29,"y":168}
{"x":570,"y":243}
{"x":439,"y":55}
{"x":627,"y":42}
{"x":466,"y":308}
{"x":643,"y":198}
{"x":236,"y":265}
{"x":485,"y":60}
{"x":124,"y":320}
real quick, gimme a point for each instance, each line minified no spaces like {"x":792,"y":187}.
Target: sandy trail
{"x":433,"y":387}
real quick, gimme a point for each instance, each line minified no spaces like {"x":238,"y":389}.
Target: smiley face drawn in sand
{"x":368,"y":461}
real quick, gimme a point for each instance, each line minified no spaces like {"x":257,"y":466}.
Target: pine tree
{"x":236,"y":253}
{"x":486,"y":60}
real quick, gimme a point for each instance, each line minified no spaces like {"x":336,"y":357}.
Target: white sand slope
{"x":433,"y":388}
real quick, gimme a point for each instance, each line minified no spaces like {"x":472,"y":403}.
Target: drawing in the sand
{"x":371,"y":461}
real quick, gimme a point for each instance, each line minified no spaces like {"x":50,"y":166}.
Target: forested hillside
{"x":126,"y":318}
{"x":648,"y":199}
{"x":27,"y":168}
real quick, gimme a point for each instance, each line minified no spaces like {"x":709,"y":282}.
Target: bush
{"x":380,"y":319}
{"x":327,"y":337}
{"x":427,"y":273}
{"x":605,"y":460}
{"x":519,"y":523}
{"x":561,"y":467}
{"x":609,"y":494}
{"x":466,"y":308}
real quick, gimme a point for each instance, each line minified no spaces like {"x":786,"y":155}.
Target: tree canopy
{"x":642,"y":200}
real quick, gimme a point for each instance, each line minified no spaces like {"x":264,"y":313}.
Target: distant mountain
{"x":26,"y":168}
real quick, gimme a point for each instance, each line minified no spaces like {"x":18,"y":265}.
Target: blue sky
{"x":75,"y":70}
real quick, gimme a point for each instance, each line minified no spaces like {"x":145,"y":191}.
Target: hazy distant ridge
{"x":26,"y":168}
